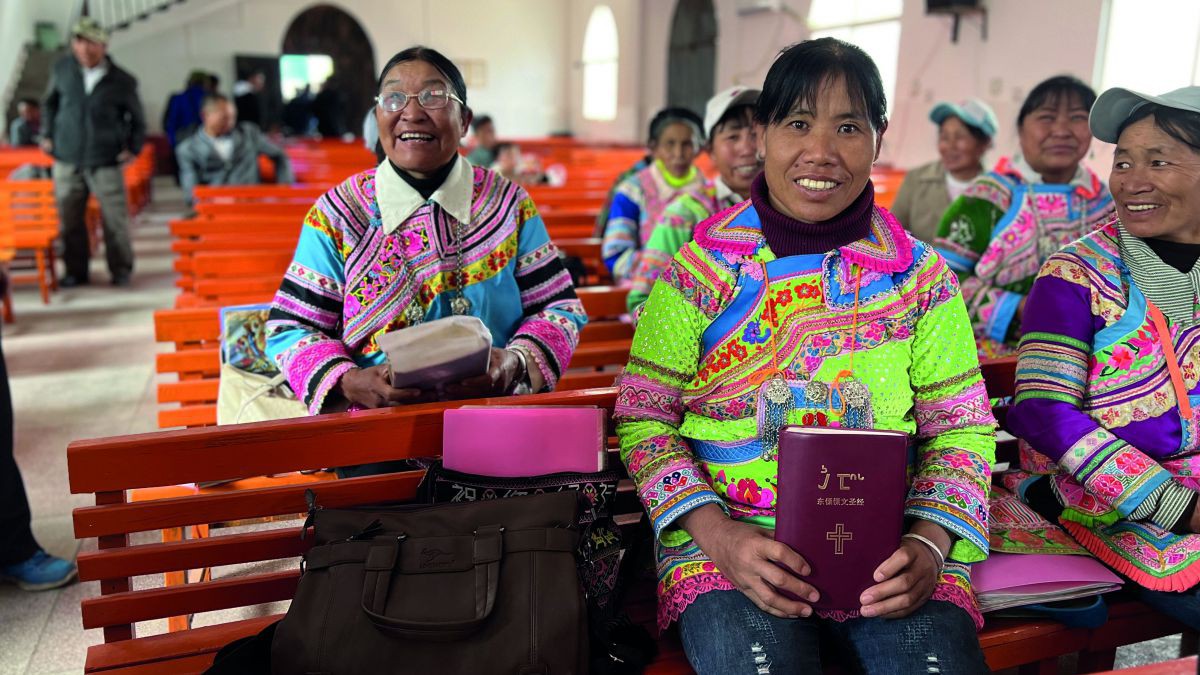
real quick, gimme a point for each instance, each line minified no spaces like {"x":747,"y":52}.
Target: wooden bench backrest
{"x":108,"y":467}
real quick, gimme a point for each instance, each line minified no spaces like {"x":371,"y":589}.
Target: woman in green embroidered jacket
{"x":808,"y":305}
{"x":733,"y":146}
{"x":1107,"y":379}
{"x":997,"y":235}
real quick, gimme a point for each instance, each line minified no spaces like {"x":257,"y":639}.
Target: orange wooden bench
{"x":108,"y":468}
{"x":29,"y":210}
{"x":195,"y":335}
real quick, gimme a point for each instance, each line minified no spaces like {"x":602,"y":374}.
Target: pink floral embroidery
{"x":1121,"y":358}
{"x":1107,"y":485}
{"x":1132,"y":463}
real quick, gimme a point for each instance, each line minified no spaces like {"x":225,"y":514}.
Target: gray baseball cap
{"x":973,"y":113}
{"x":1116,"y":105}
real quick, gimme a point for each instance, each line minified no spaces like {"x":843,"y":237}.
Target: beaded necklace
{"x":775,"y":393}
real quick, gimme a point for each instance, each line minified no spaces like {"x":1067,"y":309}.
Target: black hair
{"x":1182,"y":125}
{"x":1050,"y":92}
{"x":214,"y":97}
{"x":668,"y":116}
{"x":434,"y":58}
{"x":801,"y":70}
{"x":978,"y":134}
{"x":480,"y":121}
{"x":30,"y":102}
{"x":501,"y":147}
{"x":737,"y":112}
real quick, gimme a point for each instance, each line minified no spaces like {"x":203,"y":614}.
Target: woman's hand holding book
{"x":753,"y":561}
{"x":907,"y":578}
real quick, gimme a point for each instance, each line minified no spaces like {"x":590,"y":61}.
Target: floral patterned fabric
{"x":355,"y":277}
{"x":636,"y":209}
{"x":674,"y":229}
{"x":1096,"y":407}
{"x":997,"y":235}
{"x":690,"y":412}
{"x":244,"y":339}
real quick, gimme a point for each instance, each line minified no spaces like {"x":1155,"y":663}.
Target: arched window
{"x":600,"y":53}
{"x":1143,"y":52}
{"x":873,"y":25}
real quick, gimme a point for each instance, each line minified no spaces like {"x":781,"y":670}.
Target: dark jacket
{"x":90,"y":130}
{"x":200,"y":164}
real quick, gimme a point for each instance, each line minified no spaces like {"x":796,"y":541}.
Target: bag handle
{"x":1164,"y":340}
{"x":382,"y":558}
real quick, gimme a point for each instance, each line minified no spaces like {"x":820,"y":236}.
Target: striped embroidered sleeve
{"x":302,"y":335}
{"x":649,"y":408}
{"x":621,"y":235}
{"x":553,"y":314}
{"x":955,"y":427}
{"x":673,"y":230}
{"x":1052,"y":371}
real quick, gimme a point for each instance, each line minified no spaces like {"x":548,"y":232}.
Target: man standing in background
{"x":93,"y":124}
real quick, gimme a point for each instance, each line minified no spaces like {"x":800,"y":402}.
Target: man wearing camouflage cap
{"x":93,"y":124}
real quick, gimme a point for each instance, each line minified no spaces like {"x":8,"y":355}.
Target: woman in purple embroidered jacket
{"x":640,"y":199}
{"x":1108,"y":376}
{"x":423,"y":236}
{"x":999,"y":232}
{"x":808,"y":305}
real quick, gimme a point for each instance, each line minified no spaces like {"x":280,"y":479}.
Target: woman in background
{"x":1011,"y":219}
{"x":965,"y":132}
{"x":675,"y":138}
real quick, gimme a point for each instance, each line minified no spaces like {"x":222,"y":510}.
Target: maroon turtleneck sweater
{"x":787,"y":236}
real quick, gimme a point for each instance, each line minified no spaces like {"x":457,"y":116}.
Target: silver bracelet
{"x":937,"y":552}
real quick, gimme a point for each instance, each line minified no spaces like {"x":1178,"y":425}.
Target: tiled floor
{"x":82,"y":367}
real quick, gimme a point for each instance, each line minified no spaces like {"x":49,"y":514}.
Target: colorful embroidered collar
{"x":737,"y":231}
{"x":1086,"y":183}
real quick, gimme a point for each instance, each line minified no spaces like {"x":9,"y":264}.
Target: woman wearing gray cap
{"x":997,"y":235}
{"x":965,"y":132}
{"x":1109,"y":373}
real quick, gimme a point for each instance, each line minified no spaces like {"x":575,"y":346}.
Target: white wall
{"x":630,"y":71}
{"x":16,"y":29}
{"x":525,"y":77}
{"x":1028,"y":41}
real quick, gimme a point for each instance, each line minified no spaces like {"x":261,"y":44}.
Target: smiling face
{"x":734,"y":149}
{"x":1155,"y":183}
{"x":1055,"y":137}
{"x":959,"y":149}
{"x":819,"y":157}
{"x":676,"y":148}
{"x":417,"y":140}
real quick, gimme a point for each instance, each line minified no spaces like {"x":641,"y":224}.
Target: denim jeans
{"x":724,"y":633}
{"x":1185,"y":606}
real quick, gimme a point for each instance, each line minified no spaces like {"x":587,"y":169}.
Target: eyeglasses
{"x":430,"y":99}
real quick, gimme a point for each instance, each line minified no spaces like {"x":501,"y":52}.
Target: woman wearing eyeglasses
{"x":425,"y":235}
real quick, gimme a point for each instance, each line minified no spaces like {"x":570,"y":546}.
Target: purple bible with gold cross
{"x":841,"y":505}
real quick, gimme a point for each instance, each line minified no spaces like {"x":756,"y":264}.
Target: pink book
{"x":509,"y":442}
{"x":1013,"y":579}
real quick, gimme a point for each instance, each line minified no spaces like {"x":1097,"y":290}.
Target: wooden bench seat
{"x":108,"y":468}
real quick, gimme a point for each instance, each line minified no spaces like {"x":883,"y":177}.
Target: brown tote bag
{"x":472,"y":587}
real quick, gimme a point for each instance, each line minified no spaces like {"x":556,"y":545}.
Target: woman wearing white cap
{"x":1107,"y":381}
{"x":732,"y":144}
{"x":965,"y":132}
{"x":997,"y":235}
